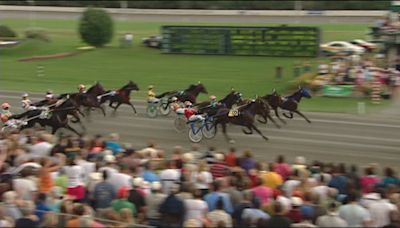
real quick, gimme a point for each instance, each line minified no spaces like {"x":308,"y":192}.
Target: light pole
{"x":32,"y":14}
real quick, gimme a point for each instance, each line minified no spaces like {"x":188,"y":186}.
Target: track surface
{"x":309,"y":19}
{"x":330,"y":137}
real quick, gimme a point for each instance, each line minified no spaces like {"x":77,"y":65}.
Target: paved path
{"x":330,"y":137}
{"x":188,"y":16}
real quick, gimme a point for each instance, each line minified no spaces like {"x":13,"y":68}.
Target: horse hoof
{"x":231,"y":141}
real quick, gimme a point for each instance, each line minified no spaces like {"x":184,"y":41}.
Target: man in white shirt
{"x":169,"y":176}
{"x":25,"y":187}
{"x":380,"y":211}
{"x":354,"y":214}
{"x":42,"y":147}
{"x":332,"y":219}
{"x":121,"y":179}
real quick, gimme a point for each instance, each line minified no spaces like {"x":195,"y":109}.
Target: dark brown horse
{"x":274,"y":100}
{"x":120,"y":96}
{"x":56,"y":118}
{"x":89,"y":99}
{"x":289,"y":103}
{"x":227,"y":102}
{"x":189,"y":94}
{"x":265,"y":114}
{"x":245,"y":117}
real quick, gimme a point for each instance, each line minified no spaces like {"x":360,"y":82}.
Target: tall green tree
{"x":96,"y":27}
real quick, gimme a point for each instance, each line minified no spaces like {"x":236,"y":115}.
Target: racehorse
{"x":227,"y":102}
{"x":274,"y":100}
{"x":245,"y":117}
{"x":189,"y":94}
{"x":265,"y":114}
{"x":289,"y":103}
{"x":121,"y":96}
{"x":88,"y":99}
{"x":57,"y":118}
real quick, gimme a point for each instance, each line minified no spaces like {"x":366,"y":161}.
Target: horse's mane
{"x":97,"y":85}
{"x":191,"y":87}
{"x":226,"y":97}
{"x":294,"y":94}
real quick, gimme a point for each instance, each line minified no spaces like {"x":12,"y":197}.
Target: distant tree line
{"x":223,"y":5}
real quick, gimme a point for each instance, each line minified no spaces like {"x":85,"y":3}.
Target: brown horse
{"x":227,"y":102}
{"x":274,"y":100}
{"x":245,"y":117}
{"x":89,"y":99}
{"x":265,"y":114}
{"x":189,"y":94}
{"x":57,"y":117}
{"x":120,"y":96}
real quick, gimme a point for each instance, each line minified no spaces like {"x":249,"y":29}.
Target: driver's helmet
{"x":49,"y":92}
{"x":213,"y":98}
{"x":5,"y":105}
{"x":188,"y":104}
{"x":173,"y":99}
{"x":25,"y":95}
{"x":150,"y":87}
{"x":81,"y":86}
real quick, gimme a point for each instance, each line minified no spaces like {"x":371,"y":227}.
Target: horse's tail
{"x":165,"y":94}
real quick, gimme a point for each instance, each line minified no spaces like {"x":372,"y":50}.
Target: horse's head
{"x":201,"y":88}
{"x":231,"y":99}
{"x":131,"y":86}
{"x":304,"y":92}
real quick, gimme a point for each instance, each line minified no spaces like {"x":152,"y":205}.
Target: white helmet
{"x":25,"y":95}
{"x":188,"y":103}
{"x":174,"y":99}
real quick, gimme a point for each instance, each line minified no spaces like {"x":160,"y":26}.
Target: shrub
{"x":96,"y":27}
{"x":37,"y":33}
{"x":6,"y":32}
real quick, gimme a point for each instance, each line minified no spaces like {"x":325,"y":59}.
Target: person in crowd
{"x":353,"y":213}
{"x":218,"y":216}
{"x":172,"y":209}
{"x":104,"y":193}
{"x":212,"y":198}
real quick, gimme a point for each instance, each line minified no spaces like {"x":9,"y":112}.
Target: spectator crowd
{"x":49,"y":181}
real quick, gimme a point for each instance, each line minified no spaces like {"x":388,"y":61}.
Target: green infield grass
{"x":114,"y":66}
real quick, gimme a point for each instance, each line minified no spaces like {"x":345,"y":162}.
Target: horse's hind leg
{"x":302,"y":115}
{"x":258,"y":131}
{"x":290,"y":116}
{"x":273,"y":121}
{"x":226,"y":134}
{"x":102,"y":110}
{"x":277,"y":115}
{"x":263,"y":120}
{"x":247,"y":132}
{"x":72,"y":129}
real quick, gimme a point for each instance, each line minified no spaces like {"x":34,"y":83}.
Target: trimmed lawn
{"x":114,"y":66}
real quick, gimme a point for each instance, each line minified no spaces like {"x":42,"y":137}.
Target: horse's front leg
{"x":273,"y":121}
{"x":302,"y":115}
{"x":258,"y":131}
{"x":133,"y":107}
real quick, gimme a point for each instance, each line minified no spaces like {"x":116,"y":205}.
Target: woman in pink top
{"x":369,"y":181}
{"x":282,"y":168}
{"x":262,"y":192}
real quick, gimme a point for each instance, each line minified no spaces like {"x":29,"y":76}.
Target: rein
{"x":106,"y":94}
